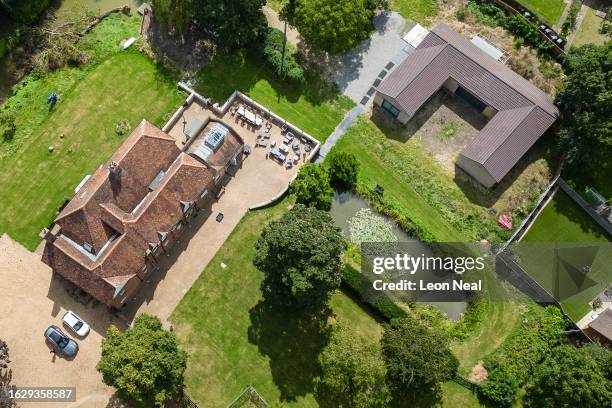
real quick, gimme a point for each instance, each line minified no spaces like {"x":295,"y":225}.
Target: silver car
{"x":61,"y":342}
{"x":75,"y":323}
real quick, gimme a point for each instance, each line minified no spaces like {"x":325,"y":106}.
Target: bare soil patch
{"x":479,"y":373}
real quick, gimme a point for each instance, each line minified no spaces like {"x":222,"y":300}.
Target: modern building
{"x":518,"y":112}
{"x":107,"y":240}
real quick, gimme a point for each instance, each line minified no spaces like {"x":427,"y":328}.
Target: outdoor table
{"x":296,"y":158}
{"x":290,"y":136}
{"x":272,"y":143}
{"x":193,"y":128}
{"x":281,"y":157}
{"x":296,"y":146}
{"x":284,"y":149}
{"x":250,"y":116}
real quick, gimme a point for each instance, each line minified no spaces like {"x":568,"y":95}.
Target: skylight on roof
{"x":215,"y":137}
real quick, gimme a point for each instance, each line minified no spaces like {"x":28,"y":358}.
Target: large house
{"x":519,"y":113}
{"x":108,"y":238}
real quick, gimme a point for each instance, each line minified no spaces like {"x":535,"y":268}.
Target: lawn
{"x":404,"y":170}
{"x":315,"y":107}
{"x":417,"y":10}
{"x":563,"y":221}
{"x":234,"y":339}
{"x":34,"y":182}
{"x":550,"y":10}
{"x":588,"y":32}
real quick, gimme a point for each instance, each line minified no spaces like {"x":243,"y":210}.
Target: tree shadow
{"x":292,"y":341}
{"x":424,"y":397}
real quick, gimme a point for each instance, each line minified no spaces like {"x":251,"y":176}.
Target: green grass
{"x":400,"y":167}
{"x":417,"y":10}
{"x":127,"y":86}
{"x":454,"y":395}
{"x":588,"y":32}
{"x":563,"y":221}
{"x":550,"y":10}
{"x":233,"y":339}
{"x":315,"y":107}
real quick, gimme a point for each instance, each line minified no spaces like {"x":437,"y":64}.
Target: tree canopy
{"x":300,"y":255}
{"x":353,"y":372}
{"x":417,"y":357}
{"x":569,"y":377}
{"x":343,"y":168}
{"x":145,"y":363}
{"x":24,"y":11}
{"x":332,"y":26}
{"x":586,"y":134}
{"x":311,"y":187}
{"x":176,"y":14}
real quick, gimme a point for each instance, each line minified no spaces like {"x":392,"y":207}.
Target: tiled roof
{"x":524,"y":112}
{"x":120,"y":201}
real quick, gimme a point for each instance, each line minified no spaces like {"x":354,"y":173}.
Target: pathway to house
{"x":359,"y":71}
{"x":293,"y":36}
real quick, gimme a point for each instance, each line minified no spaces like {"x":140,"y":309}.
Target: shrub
{"x":500,"y":388}
{"x":343,"y":168}
{"x":273,"y":53}
{"x":7,"y":125}
{"x":311,"y":187}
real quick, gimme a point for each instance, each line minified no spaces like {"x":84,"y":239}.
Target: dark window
{"x":471,"y":99}
{"x":391,"y":110}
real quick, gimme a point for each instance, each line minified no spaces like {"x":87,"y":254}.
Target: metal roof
{"x":524,"y":112}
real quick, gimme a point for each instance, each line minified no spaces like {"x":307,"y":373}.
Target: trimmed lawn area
{"x":454,"y":395}
{"x":234,"y":340}
{"x":563,"y":221}
{"x":315,"y":107}
{"x":588,"y":32}
{"x":550,"y":10}
{"x":417,"y":10}
{"x":34,"y":182}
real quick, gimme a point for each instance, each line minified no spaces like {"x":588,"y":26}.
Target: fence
{"x":249,"y":397}
{"x":585,"y":206}
{"x":465,"y":383}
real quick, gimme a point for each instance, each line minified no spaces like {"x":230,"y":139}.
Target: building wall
{"x":476,"y":170}
{"x":451,"y":85}
{"x":402,"y":117}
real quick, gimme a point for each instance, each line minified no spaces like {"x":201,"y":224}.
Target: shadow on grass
{"x":242,"y":71}
{"x":293,"y":343}
{"x":416,"y":399}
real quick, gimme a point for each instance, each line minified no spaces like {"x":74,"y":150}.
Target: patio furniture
{"x":261,"y":143}
{"x":283,"y":148}
{"x":290,"y":136}
{"x":247,"y":149}
{"x":296,"y":158}
{"x":289,"y":163}
{"x":307,"y":147}
{"x":250,"y":117}
{"x":272,"y":143}
{"x":219,"y":217}
{"x":296,"y":145}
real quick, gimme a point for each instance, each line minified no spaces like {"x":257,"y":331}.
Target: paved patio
{"x":258,"y":180}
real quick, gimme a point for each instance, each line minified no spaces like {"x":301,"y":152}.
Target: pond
{"x":346,"y":204}
{"x":64,"y":10}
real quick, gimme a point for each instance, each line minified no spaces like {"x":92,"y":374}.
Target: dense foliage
{"x":569,"y":377}
{"x":300,"y":255}
{"x":311,"y":187}
{"x":352,"y":371}
{"x":343,"y":168}
{"x":417,"y":357}
{"x":235,"y":23}
{"x":586,"y":134}
{"x":24,"y":11}
{"x":332,"y":26}
{"x":7,"y":125}
{"x":145,"y":363}
{"x":273,"y":52}
{"x":500,"y":388}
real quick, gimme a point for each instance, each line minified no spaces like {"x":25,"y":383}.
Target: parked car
{"x":75,"y":323}
{"x":60,"y":341}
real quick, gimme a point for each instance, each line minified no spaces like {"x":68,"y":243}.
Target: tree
{"x":311,"y":187}
{"x":417,"y":357}
{"x":236,"y":23}
{"x":24,"y":11}
{"x":145,"y":363}
{"x":569,"y":377}
{"x":586,"y":134}
{"x":300,"y":256}
{"x":501,"y":387}
{"x":353,"y":372}
{"x":176,"y":14}
{"x":332,"y":26}
{"x":343,"y":168}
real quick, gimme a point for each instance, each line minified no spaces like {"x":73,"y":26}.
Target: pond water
{"x":63,"y":11}
{"x":346,"y":204}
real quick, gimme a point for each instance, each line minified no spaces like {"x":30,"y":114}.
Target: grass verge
{"x":417,"y":10}
{"x":551,"y":10}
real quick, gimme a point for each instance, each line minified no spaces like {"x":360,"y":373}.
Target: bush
{"x":273,"y":53}
{"x":343,"y":168}
{"x":500,"y":388}
{"x":7,"y":125}
{"x":311,"y":187}
{"x":471,"y":319}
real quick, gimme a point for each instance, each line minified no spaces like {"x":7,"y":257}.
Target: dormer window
{"x":88,"y":247}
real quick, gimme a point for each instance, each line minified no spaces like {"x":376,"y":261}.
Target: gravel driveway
{"x":358,"y":69}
